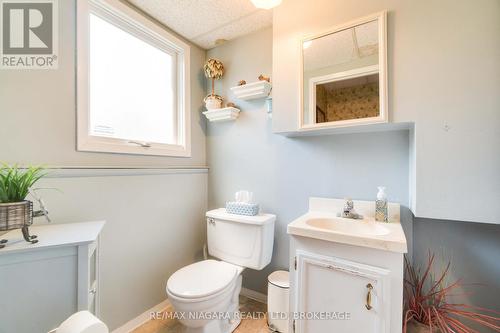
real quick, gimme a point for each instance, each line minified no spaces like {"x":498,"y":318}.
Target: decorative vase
{"x":213,"y":102}
{"x":416,"y":327}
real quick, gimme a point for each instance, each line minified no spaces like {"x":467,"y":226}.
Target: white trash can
{"x":277,"y":301}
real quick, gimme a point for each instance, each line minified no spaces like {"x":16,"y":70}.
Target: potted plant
{"x":15,"y":211}
{"x":214,"y":69}
{"x":429,"y":310}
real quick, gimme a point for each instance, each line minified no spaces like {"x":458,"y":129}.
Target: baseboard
{"x":141,"y":319}
{"x":255,"y":295}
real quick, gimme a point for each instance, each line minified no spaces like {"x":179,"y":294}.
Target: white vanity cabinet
{"x":352,"y":296}
{"x":42,"y":284}
{"x":346,"y":275}
{"x":354,"y":292}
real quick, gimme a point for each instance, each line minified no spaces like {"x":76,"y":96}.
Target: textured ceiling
{"x":205,"y":21}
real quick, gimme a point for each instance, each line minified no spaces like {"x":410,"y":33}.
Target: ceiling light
{"x":220,"y":41}
{"x":266,"y":4}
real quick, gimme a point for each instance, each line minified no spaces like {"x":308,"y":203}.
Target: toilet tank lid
{"x":221,"y":214}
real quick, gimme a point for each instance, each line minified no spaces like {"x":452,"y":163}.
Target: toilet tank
{"x":241,"y":240}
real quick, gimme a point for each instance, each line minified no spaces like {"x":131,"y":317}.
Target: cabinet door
{"x":93,"y":302}
{"x":88,"y":277}
{"x":340,"y":296}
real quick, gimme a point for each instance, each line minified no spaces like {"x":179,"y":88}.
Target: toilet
{"x":205,"y":295}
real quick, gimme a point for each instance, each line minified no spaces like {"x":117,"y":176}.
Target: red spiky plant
{"x":426,"y":303}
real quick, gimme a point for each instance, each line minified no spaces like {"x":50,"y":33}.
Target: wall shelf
{"x":254,"y":90}
{"x":224,"y":114}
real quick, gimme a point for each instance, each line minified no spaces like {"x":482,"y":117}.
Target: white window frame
{"x":126,"y":18}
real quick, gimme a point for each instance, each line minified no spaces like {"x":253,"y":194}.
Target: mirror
{"x":343,"y":75}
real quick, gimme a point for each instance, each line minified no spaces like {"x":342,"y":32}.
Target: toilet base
{"x":234,"y":324}
{"x":223,"y":325}
{"x":215,"y":326}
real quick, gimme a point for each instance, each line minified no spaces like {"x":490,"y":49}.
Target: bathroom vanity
{"x":44,"y":283}
{"x":346,"y":274}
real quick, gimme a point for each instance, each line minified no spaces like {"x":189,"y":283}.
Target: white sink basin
{"x":322,"y":222}
{"x":347,"y":226}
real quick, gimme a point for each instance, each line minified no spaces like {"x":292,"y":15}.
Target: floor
{"x":258,"y":324}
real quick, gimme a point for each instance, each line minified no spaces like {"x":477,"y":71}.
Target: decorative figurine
{"x":214,"y":69}
{"x":264,"y":78}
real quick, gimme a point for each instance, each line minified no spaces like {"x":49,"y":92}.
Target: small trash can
{"x":277,"y":301}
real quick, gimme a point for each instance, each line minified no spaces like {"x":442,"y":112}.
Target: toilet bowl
{"x":205,"y":295}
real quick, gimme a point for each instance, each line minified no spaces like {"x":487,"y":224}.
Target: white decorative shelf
{"x":254,"y":90}
{"x":224,"y":114}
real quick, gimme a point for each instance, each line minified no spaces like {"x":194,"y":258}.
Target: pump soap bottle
{"x":381,"y":205}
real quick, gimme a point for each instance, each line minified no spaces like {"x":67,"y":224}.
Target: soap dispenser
{"x":381,"y":205}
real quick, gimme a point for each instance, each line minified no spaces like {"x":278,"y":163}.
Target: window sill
{"x":101,"y":145}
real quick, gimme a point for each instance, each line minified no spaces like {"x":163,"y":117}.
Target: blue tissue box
{"x":241,"y":208}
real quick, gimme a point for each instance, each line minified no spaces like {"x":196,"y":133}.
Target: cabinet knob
{"x":368,"y":304}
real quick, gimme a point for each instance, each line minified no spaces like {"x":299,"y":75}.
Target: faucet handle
{"x":349,"y":204}
{"x":348,"y":211}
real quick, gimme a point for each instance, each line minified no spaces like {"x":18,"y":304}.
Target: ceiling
{"x":205,"y":21}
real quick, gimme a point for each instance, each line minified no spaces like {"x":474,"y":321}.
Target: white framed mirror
{"x":344,"y":75}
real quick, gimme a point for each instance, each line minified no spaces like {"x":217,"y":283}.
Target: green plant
{"x":426,"y":303}
{"x":15,"y":182}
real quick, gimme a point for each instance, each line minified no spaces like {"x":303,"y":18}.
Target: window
{"x":133,"y":86}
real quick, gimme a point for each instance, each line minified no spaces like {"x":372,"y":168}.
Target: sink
{"x":322,"y":222}
{"x":349,"y":226}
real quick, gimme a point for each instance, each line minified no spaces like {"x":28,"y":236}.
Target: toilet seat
{"x":202,"y":279}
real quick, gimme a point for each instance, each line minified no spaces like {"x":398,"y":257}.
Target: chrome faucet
{"x":348,"y":210}
{"x":348,"y":207}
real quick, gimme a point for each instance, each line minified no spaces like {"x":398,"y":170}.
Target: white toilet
{"x":205,"y":294}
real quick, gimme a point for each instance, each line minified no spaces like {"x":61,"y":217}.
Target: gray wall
{"x":149,"y":217}
{"x":284,"y":172}
{"x":154,"y":226}
{"x":474,"y":252}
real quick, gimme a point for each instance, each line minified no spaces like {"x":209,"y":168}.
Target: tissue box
{"x":241,"y":208}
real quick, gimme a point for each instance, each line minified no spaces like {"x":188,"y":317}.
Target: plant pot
{"x":416,"y":327}
{"x":15,"y":215}
{"x":213,"y":102}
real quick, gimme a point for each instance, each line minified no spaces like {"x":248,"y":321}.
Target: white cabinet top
{"x":52,"y":235}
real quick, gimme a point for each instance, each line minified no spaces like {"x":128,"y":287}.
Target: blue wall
{"x":474,"y":252}
{"x":284,"y":172}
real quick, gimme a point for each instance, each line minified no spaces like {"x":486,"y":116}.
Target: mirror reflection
{"x":341,"y":75}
